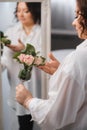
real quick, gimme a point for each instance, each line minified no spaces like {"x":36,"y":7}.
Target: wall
{"x":64,"y":41}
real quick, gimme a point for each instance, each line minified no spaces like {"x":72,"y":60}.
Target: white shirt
{"x":13,"y":67}
{"x":66,"y":106}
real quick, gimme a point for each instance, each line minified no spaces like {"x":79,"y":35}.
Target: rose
{"x":39,"y":60}
{"x":27,"y":59}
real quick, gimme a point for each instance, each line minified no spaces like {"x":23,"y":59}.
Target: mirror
{"x":7,"y":117}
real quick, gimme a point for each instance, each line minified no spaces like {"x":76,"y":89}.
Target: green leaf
{"x":5,"y":41}
{"x":22,"y":74}
{"x":28,"y":75}
{"x":25,"y":74}
{"x":29,"y":50}
{"x":1,"y":34}
{"x":16,"y":54}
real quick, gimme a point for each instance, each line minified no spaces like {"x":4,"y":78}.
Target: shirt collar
{"x":82,"y":45}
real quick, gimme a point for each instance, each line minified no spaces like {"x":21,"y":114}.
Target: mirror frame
{"x":46,"y":45}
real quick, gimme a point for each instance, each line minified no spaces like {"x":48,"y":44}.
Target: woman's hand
{"x":20,"y":46}
{"x":23,"y":95}
{"x":51,"y":66}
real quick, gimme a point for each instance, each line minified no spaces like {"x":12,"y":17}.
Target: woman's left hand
{"x":20,"y":46}
{"x":51,"y":66}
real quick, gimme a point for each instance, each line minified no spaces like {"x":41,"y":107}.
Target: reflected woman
{"x":27,"y":30}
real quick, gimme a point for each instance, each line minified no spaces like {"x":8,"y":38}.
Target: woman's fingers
{"x":51,"y":56}
{"x":47,"y":69}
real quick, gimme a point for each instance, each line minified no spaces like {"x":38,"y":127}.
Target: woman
{"x":67,"y":88}
{"x":27,"y":30}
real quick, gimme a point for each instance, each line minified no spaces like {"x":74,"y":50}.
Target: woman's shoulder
{"x":81,"y":56}
{"x":78,"y":56}
{"x":75,"y":64}
{"x":37,"y":28}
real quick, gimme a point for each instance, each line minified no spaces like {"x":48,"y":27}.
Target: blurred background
{"x":63,"y":38}
{"x":63,"y":35}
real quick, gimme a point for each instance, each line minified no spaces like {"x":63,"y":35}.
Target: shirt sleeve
{"x":69,"y":100}
{"x":62,"y":107}
{"x":39,"y":109}
{"x":6,"y":57}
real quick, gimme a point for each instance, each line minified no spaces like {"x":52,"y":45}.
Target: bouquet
{"x":3,"y":39}
{"x":28,"y":58}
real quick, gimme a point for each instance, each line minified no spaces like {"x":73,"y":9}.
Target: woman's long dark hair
{"x":34,"y":8}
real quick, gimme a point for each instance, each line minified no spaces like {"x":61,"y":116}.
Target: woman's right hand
{"x":51,"y":66}
{"x":20,"y":46}
{"x":23,"y":95}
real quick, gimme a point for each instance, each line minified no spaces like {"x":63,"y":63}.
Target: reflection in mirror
{"x":19,"y":21}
